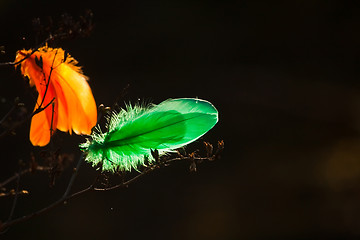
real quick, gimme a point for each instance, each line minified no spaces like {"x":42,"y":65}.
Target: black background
{"x":284,"y":76}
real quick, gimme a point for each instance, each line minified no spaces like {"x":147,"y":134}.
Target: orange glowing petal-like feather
{"x":43,"y":123}
{"x":75,"y":99}
{"x":74,"y":106}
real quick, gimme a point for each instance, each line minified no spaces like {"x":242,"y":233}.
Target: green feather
{"x":134,"y":132}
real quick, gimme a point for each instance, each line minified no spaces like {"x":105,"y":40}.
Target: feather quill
{"x":134,"y":132}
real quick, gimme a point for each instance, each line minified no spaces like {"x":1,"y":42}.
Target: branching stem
{"x":67,"y":196}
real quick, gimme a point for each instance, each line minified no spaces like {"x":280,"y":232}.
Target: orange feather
{"x":73,"y":108}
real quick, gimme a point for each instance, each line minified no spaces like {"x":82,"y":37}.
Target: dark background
{"x":284,"y":76}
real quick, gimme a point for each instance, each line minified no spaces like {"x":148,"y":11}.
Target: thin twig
{"x":12,"y":193}
{"x":14,"y":126}
{"x":159,"y":163}
{"x":52,"y":119}
{"x":14,"y":177}
{"x":20,"y":61}
{"x":48,"y":82}
{"x":126,"y":183}
{"x":21,"y":173}
{"x":67,"y":196}
{"x":8,"y":224}
{"x":120,"y":96}
{"x":73,"y":177}
{"x":15,"y":198}
{"x":51,"y":37}
{"x":39,"y":108}
{"x":9,"y":113}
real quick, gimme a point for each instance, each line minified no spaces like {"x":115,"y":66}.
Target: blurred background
{"x":284,"y":76}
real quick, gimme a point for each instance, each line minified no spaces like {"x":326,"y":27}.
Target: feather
{"x":57,"y":77}
{"x":134,"y":132}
